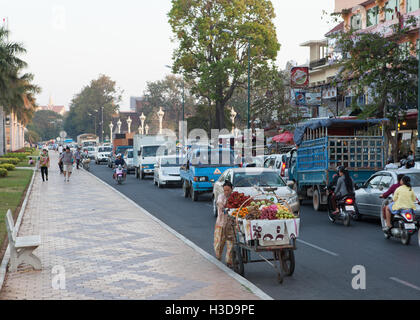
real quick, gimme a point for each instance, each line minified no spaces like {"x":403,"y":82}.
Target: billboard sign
{"x":299,"y":77}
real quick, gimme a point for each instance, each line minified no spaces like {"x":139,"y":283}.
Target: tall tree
{"x":46,"y":124}
{"x":100,"y":94}
{"x":213,"y":61}
{"x":383,"y":68}
{"x":168,"y":94}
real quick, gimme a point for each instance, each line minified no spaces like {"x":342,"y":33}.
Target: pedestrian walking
{"x":68,"y":159}
{"x":223,"y":231}
{"x":77,"y":156}
{"x":44,"y":163}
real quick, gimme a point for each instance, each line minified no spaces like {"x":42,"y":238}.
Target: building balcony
{"x":318,"y":63}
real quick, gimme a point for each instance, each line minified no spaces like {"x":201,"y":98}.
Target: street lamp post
{"x":232,"y":118}
{"x":129,"y":121}
{"x":119,"y":125}
{"x":160,"y":115}
{"x":142,"y":119}
{"x":249,"y":75}
{"x":147,"y":129}
{"x":94,"y":117}
{"x":111,"y":126}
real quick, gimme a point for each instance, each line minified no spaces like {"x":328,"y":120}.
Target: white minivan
{"x":128,"y":158}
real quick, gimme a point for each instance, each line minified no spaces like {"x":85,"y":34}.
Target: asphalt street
{"x":326,"y":253}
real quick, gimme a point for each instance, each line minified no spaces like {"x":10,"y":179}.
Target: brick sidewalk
{"x":108,"y":253}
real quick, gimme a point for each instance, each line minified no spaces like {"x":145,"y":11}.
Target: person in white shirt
{"x":60,"y":149}
{"x":391,"y":165}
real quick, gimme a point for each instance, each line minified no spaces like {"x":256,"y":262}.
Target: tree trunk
{"x":220,"y":115}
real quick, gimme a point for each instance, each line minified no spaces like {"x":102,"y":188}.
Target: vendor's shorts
{"x":68,"y":168}
{"x":390,"y":208}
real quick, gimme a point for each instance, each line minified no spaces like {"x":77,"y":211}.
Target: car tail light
{"x":283,"y":168}
{"x":409,"y":216}
{"x":349,"y":201}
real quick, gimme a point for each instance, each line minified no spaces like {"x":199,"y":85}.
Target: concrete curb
{"x":5,"y":261}
{"x":253,"y":288}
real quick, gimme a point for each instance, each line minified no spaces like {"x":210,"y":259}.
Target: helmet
{"x":340,"y":168}
{"x":119,"y":155}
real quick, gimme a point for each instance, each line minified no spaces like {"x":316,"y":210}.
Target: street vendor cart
{"x":265,"y":223}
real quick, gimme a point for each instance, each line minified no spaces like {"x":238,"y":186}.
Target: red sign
{"x":299,"y":77}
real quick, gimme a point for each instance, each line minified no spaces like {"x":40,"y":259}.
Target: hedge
{"x":7,"y":166}
{"x":19,"y":155}
{"x":3,"y":173}
{"x":9,"y":160}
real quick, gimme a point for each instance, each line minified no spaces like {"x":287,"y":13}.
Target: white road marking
{"x":318,"y":248}
{"x":405,"y":283}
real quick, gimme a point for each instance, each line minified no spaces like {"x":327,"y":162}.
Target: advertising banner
{"x":313,"y":98}
{"x":299,"y":77}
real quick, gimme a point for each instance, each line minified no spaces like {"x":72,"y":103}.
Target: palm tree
{"x":16,"y":90}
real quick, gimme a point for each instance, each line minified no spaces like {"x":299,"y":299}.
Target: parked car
{"x":102,"y":154}
{"x":367,"y":194}
{"x":128,"y":158}
{"x":252,"y":181}
{"x":166,"y":171}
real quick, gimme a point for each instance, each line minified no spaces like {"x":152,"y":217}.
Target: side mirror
{"x":381,"y":188}
{"x":290,"y":184}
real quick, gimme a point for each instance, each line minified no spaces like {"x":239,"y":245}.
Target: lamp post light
{"x":147,"y":129}
{"x":160,"y":115}
{"x":233,"y":115}
{"x":119,"y":125}
{"x":111,"y":126}
{"x":249,"y":74}
{"x":129,"y":121}
{"x":91,"y":115}
{"x":142,"y":119}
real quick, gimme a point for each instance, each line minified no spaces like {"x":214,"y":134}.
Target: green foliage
{"x":7,"y":166}
{"x":101,"y":92}
{"x":9,"y":160}
{"x":47,"y":124}
{"x":3,"y":173}
{"x":18,"y":155}
{"x":216,"y":62}
{"x":377,"y":65}
{"x":168,"y":94}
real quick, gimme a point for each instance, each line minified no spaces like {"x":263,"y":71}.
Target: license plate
{"x":410,"y":226}
{"x":349,"y":208}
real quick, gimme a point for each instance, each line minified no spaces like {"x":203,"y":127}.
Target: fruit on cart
{"x":236,"y":200}
{"x":240,"y":213}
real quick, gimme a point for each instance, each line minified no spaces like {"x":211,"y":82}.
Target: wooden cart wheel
{"x":278,"y":265}
{"x":238,"y":263}
{"x":288,"y":261}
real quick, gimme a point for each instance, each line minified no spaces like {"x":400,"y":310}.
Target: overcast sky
{"x":69,"y":43}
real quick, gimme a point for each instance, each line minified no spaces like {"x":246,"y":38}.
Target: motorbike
{"x":404,"y":224}
{"x":347,"y":207}
{"x":119,"y":175}
{"x":86,"y":164}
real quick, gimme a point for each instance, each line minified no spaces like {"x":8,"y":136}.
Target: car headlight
{"x":292,"y":199}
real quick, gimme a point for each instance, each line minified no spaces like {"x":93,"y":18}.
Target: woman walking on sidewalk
{"x":44,"y":163}
{"x":224,"y":233}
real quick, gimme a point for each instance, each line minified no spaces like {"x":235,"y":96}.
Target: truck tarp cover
{"x":326,"y":123}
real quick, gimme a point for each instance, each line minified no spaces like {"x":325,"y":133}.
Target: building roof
{"x":312,"y":42}
{"x":336,"y":29}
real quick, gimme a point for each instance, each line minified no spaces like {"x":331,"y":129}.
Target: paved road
{"x":325,"y":256}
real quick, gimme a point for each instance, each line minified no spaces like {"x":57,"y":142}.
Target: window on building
{"x":413,"y":5}
{"x":390,"y":9}
{"x":356,"y":22}
{"x":373,"y":16}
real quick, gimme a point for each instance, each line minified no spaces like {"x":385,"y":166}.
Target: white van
{"x":128,"y":158}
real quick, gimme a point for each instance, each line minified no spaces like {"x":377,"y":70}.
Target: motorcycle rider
{"x":404,"y":198}
{"x":120,"y":161}
{"x":331,"y":186}
{"x":344,"y":187}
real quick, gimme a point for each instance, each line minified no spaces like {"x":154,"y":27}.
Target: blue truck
{"x":202,"y":167}
{"x":325,"y":144}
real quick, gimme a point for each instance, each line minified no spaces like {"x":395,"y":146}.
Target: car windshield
{"x":415,"y":179}
{"x":105,"y":149}
{"x":150,"y":151}
{"x":91,"y":149}
{"x":170,"y":162}
{"x":130,"y":154}
{"x":214,"y":158}
{"x":262,"y":179}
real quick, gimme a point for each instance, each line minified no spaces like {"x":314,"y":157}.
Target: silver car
{"x":367,"y":195}
{"x":250,"y":182}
